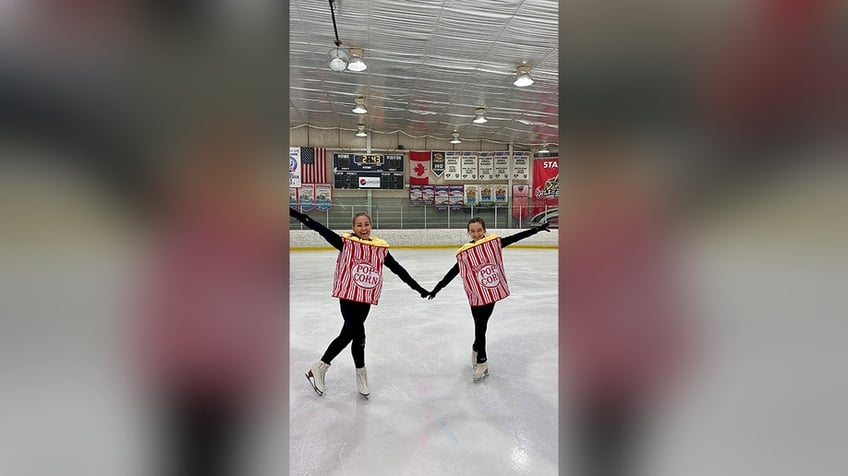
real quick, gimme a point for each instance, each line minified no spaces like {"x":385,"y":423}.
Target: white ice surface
{"x":425,"y":415}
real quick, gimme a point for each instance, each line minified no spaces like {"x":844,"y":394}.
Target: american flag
{"x":313,"y":162}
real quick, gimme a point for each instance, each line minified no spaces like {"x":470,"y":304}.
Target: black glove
{"x":423,"y":292}
{"x":433,"y":294}
{"x":543,"y":227}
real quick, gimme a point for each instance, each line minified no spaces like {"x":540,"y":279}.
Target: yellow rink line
{"x":425,"y":247}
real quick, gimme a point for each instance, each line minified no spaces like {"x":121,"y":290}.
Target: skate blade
{"x":311,"y":379}
{"x":477,"y":379}
{"x":365,"y":396}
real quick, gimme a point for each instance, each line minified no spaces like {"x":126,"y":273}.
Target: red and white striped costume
{"x":359,"y":269}
{"x":482,"y":271}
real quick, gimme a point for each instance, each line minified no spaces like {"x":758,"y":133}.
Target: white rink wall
{"x":425,"y":238}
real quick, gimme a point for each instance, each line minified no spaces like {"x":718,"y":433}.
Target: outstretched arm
{"x":332,"y":237}
{"x":454,"y":272}
{"x":399,"y":270}
{"x":508,"y":240}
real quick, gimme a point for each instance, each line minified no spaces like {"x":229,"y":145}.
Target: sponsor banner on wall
{"x":416,"y":196}
{"x":545,"y":183}
{"x":294,"y":167}
{"x":293,"y":197}
{"x":486,"y":166}
{"x":486,"y":195}
{"x":457,"y":196}
{"x":437,"y":163}
{"x":501,"y":193}
{"x":306,"y":195}
{"x":366,"y":181}
{"x":500,"y":165}
{"x":323,"y":196}
{"x":469,"y":165}
{"x":521,"y":165}
{"x":442,"y":196}
{"x":453,"y":160}
{"x":427,"y":194}
{"x":472,"y":195}
{"x":520,"y":201}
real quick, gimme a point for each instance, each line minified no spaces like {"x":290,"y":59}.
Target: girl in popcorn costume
{"x":480,"y":263}
{"x":357,"y":283}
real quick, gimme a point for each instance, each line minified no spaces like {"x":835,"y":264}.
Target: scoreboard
{"x":368,"y":171}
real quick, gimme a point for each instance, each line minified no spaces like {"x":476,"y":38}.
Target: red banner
{"x":545,"y":183}
{"x":520,"y":197}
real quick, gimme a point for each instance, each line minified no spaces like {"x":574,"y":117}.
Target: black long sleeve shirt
{"x":337,"y":242}
{"x":505,"y":241}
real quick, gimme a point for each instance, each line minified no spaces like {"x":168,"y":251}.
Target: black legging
{"x":353,"y":330}
{"x":481,"y":316}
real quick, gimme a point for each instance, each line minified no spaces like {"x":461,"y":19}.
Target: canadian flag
{"x":419,"y":167}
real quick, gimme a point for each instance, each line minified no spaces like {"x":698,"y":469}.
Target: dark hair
{"x":360,"y":214}
{"x":476,"y":220}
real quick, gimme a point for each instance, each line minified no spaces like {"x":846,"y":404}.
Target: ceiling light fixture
{"x":455,"y":139}
{"x":360,"y":131}
{"x":356,"y":63}
{"x":337,"y":57}
{"x":523,"y":78}
{"x":480,"y":116}
{"x":543,"y":149}
{"x":360,"y":105}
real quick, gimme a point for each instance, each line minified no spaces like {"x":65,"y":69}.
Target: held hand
{"x":424,"y":293}
{"x":432,"y":295}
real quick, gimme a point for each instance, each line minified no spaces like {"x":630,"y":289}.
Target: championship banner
{"x":500,"y":193}
{"x":306,"y":195}
{"x":293,"y":197}
{"x":486,"y":197}
{"x":457,"y":196}
{"x":472,"y":195}
{"x":437,"y":163}
{"x":442,"y":196}
{"x":521,"y":165}
{"x":452,"y":165}
{"x":323,"y":196}
{"x":501,"y":165}
{"x":469,"y":165}
{"x":294,"y":167}
{"x":485,"y":164}
{"x":427,"y":194}
{"x":545,"y":183}
{"x":416,"y":195}
{"x":419,"y":168}
{"x":520,"y":200}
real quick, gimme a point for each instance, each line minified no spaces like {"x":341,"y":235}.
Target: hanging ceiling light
{"x":360,"y":131}
{"x":356,"y":63}
{"x":455,"y":139}
{"x":523,"y":78}
{"x":543,"y":149}
{"x":337,"y":58}
{"x":360,"y":105}
{"x":480,"y":116}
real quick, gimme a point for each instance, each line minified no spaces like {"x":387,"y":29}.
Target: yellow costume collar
{"x":475,"y":243}
{"x":373,"y":242}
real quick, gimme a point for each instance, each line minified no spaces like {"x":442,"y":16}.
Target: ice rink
{"x":425,"y":415}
